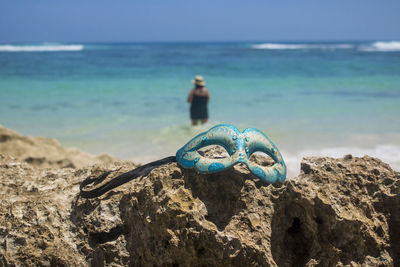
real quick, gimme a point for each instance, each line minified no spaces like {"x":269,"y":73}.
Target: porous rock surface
{"x":337,"y":212}
{"x":46,"y":152}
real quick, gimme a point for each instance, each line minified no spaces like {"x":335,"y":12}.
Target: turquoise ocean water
{"x":129,"y":99}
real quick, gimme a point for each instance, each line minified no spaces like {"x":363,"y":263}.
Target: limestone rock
{"x":46,"y":152}
{"x":337,"y":212}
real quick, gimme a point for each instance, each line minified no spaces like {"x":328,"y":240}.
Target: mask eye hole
{"x":261,"y":159}
{"x":213,"y":152}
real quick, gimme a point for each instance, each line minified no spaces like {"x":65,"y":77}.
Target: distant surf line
{"x":41,"y":48}
{"x":282,"y":46}
{"x":379,"y":46}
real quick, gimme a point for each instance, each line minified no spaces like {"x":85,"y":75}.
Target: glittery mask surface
{"x":239,"y":145}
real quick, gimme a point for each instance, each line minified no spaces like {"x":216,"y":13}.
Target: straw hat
{"x":198,"y":80}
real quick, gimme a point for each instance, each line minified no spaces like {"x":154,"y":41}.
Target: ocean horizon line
{"x":199,"y":41}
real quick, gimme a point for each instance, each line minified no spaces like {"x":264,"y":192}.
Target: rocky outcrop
{"x":46,"y":152}
{"x":337,"y":212}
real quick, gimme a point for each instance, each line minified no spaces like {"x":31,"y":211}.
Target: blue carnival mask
{"x":239,"y":145}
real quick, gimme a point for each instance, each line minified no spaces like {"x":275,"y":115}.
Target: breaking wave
{"x":381,"y":47}
{"x":41,"y":48}
{"x":276,"y":46}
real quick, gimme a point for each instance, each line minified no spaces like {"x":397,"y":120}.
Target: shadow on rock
{"x":220,"y":193}
{"x":391,"y":206}
{"x":306,"y":231}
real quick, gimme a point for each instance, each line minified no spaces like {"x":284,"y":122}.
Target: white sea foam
{"x":392,"y":46}
{"x":387,"y":153}
{"x":41,"y":48}
{"x":276,"y":46}
{"x":279,"y":46}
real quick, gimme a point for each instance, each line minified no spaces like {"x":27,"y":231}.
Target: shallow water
{"x":130,"y":99}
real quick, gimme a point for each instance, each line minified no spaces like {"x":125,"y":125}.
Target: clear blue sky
{"x":207,"y":20}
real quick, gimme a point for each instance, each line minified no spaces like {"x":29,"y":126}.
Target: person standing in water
{"x":198,"y":98}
